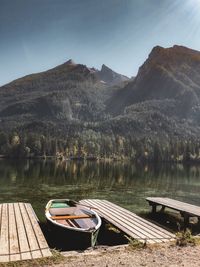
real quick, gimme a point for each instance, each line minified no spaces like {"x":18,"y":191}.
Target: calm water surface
{"x":123,"y":183}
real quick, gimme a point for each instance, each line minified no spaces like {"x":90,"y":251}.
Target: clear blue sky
{"x":36,"y":35}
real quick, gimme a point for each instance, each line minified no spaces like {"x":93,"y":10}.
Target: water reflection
{"x":122,"y":183}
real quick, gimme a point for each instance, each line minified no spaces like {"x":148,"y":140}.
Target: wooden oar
{"x":68,"y":217}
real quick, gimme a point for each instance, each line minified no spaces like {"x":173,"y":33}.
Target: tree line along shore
{"x":15,"y":145}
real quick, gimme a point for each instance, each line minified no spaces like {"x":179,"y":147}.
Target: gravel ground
{"x":163,"y":255}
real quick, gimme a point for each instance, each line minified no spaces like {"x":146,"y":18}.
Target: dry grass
{"x":185,"y":238}
{"x":56,"y":258}
{"x":135,"y":244}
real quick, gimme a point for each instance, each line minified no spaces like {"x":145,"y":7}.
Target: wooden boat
{"x":79,"y":222}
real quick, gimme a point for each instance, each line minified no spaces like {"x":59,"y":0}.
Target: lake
{"x":123,"y":183}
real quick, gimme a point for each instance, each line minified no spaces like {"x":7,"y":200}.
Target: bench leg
{"x":162,"y":209}
{"x":154,"y":208}
{"x":186,"y":218}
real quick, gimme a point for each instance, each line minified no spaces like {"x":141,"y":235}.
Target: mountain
{"x":104,"y":109}
{"x":111,"y":77}
{"x":169,"y":77}
{"x":68,"y":91}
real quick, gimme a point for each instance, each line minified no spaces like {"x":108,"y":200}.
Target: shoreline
{"x":165,"y":255}
{"x":151,"y":256}
{"x":101,"y":159}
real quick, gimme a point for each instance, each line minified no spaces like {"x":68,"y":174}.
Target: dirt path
{"x":165,"y":255}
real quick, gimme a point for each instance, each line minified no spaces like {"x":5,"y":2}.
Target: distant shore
{"x":191,"y":162}
{"x":90,"y":158}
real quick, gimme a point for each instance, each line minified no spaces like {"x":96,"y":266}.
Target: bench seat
{"x":186,"y":210}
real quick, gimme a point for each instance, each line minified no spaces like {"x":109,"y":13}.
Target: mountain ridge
{"x":165,"y":74}
{"x":160,"y":103}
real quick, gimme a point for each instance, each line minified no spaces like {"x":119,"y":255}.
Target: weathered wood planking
{"x":143,"y":222}
{"x":4,"y":242}
{"x":140,"y":224}
{"x":14,"y":242}
{"x":20,"y":235}
{"x":38,"y":232}
{"x":175,"y":204}
{"x":128,"y":222}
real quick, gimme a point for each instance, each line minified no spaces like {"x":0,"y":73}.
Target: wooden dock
{"x":129,"y":223}
{"x":20,"y":235}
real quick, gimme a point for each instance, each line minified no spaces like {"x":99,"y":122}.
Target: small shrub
{"x":135,"y":244}
{"x":185,"y":238}
{"x":110,"y":227}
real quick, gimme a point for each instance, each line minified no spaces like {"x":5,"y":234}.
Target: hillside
{"x":70,"y":91}
{"x":102,"y":108}
{"x":172,"y":74}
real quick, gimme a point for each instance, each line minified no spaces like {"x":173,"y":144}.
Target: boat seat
{"x":64,"y":222}
{"x":62,"y":211}
{"x":85,"y":223}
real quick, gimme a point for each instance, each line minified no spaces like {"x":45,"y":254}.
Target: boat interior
{"x":75,"y":217}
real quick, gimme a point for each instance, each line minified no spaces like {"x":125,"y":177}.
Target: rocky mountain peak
{"x":176,"y":59}
{"x":70,"y":62}
{"x":175,"y":54}
{"x":156,"y":51}
{"x":110,"y":77}
{"x":106,"y":68}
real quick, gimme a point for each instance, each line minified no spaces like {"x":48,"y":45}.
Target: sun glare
{"x":192,"y":9}
{"x":195,"y":3}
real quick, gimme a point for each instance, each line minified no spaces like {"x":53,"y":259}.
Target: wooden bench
{"x":186,"y":210}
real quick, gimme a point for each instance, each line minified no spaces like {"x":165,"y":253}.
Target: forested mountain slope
{"x":171,"y":75}
{"x":102,"y":110}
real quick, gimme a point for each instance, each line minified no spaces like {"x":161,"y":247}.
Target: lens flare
{"x":194,"y":4}
{"x":192,"y":11}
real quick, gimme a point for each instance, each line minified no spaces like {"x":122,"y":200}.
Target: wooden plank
{"x":124,"y":225}
{"x":0,"y":215}
{"x":23,"y":241}
{"x":13,"y":237}
{"x":164,"y":201}
{"x":38,"y":232}
{"x":123,"y":218}
{"x":143,"y":222}
{"x":33,"y":244}
{"x":154,"y":231}
{"x":159,"y":234}
{"x":20,"y":235}
{"x":1,"y":206}
{"x":176,"y":205}
{"x":174,"y":202}
{"x":146,"y":222}
{"x":64,"y":222}
{"x":135,"y":224}
{"x":81,"y":216}
{"x":4,"y":241}
{"x":117,"y":224}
